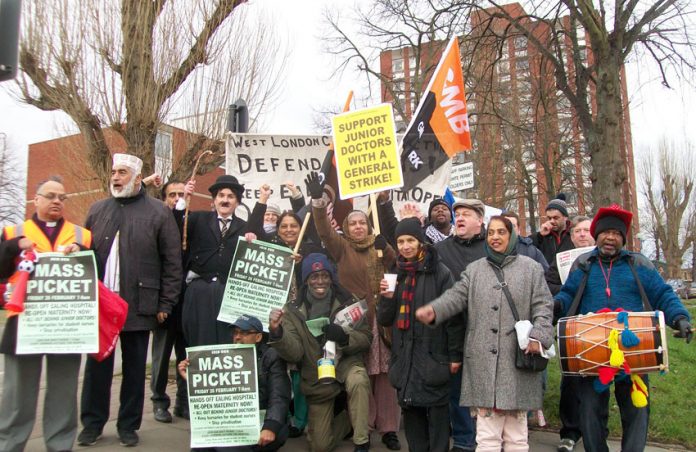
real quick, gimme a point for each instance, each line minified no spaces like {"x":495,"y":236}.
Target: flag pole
{"x":346,"y":107}
{"x":375,"y":218}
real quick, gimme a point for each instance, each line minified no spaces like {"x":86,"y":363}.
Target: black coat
{"x":552,"y":244}
{"x":457,"y":253}
{"x":421,"y":355}
{"x":149,"y":252}
{"x":208,"y":254}
{"x":525,"y":247}
{"x":274,"y":387}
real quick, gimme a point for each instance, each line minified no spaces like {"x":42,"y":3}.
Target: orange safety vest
{"x":69,"y":233}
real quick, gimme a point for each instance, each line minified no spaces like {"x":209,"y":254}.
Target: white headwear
{"x":129,"y":161}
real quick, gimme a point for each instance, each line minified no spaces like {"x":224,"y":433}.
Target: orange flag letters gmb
{"x":440,"y":126}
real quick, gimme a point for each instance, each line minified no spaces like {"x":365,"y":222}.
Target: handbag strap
{"x":578,"y":295}
{"x":506,"y":291}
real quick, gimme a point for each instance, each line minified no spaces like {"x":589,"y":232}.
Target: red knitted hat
{"x":612,"y":217}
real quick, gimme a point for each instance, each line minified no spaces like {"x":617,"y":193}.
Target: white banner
{"x":275,"y":159}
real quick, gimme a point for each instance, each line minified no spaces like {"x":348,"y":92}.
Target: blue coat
{"x":624,"y":290}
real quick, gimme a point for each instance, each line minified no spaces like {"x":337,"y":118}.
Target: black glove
{"x":335,"y":333}
{"x":685,"y":330}
{"x":314,"y":186}
{"x":380,"y":242}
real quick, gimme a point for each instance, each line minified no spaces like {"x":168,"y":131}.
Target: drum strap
{"x":578,"y":295}
{"x":643,"y":296}
{"x":506,"y":291}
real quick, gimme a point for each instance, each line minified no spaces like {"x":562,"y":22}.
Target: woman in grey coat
{"x":499,"y":394}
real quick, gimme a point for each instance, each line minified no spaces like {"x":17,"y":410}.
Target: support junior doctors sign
{"x":367,"y":159}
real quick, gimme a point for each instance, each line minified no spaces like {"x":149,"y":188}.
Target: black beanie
{"x":610,"y":222}
{"x":437,"y":202}
{"x":410,"y":226}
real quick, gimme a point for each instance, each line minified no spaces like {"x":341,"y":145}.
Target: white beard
{"x":126,"y":191}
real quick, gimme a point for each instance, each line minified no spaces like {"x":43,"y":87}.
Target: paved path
{"x":155,"y":436}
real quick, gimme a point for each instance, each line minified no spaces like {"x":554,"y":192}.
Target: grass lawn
{"x":672,"y":396}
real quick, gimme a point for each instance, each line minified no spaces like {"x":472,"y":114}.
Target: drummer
{"x":610,"y":283}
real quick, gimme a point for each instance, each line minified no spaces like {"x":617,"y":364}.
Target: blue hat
{"x":317,"y":262}
{"x":248,"y":323}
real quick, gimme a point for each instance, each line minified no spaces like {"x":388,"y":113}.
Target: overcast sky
{"x":655,"y":111}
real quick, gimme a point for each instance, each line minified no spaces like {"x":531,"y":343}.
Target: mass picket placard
{"x":367,"y":159}
{"x":223,"y":395}
{"x":61,"y":310}
{"x":258,"y":282}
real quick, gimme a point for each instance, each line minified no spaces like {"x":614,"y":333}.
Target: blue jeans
{"x":594,"y":414}
{"x":463,"y":426}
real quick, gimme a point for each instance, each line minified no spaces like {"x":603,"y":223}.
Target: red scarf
{"x":408,"y":289}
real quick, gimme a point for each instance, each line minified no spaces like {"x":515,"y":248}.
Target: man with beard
{"x":612,"y":277}
{"x":569,"y":404}
{"x":212,"y":240}
{"x":554,"y":235}
{"x":138,"y":255}
{"x":440,"y":219}
{"x":457,"y":252}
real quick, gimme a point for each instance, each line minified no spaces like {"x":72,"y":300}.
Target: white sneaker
{"x":566,"y":445}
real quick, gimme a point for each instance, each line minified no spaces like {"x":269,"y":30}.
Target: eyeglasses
{"x":52,"y":196}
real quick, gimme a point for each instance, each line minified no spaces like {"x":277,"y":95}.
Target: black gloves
{"x":380,"y":242}
{"x":335,"y":333}
{"x":314,"y":186}
{"x":685,"y":330}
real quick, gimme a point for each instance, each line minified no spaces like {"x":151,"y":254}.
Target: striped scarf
{"x":403,"y":321}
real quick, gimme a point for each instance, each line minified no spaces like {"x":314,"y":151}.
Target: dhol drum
{"x":583,"y":342}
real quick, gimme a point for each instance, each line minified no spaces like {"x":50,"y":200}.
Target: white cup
{"x":391,"y":280}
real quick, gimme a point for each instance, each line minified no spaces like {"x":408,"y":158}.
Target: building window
{"x":397,"y":66}
{"x":163,"y":154}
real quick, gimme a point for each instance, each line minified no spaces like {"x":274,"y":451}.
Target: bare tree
{"x":11,"y":190}
{"x":668,"y":188}
{"x":612,"y":31}
{"x":132,"y":66}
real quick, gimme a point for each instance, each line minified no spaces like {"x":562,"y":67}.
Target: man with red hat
{"x":612,"y":277}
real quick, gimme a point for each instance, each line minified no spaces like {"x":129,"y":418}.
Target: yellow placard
{"x":367,"y":159}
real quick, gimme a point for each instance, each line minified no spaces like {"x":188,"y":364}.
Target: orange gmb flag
{"x":439,"y":127}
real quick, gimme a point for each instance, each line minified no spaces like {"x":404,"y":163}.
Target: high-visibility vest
{"x":69,"y":233}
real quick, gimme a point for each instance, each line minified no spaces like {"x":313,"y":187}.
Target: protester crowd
{"x":459,"y":312}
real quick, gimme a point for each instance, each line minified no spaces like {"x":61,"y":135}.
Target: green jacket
{"x":295,"y":344}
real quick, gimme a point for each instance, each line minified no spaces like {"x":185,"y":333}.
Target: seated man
{"x":273,"y":384}
{"x":294,"y":336}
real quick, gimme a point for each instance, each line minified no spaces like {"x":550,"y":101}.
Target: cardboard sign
{"x":223,"y":395}
{"x":61,"y":311}
{"x":259,"y":281}
{"x":462,"y":177}
{"x":367,"y":158}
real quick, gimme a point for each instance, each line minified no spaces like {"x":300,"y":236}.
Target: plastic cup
{"x":391,"y":280}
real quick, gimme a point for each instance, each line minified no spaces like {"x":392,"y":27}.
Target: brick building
{"x":527,"y":140}
{"x":67,"y":157}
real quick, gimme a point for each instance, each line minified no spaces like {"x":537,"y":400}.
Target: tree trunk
{"x":608,"y":172}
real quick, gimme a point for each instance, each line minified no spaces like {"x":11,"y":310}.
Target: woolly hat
{"x":437,"y":202}
{"x":612,"y":217}
{"x":559,"y":204}
{"x":410,"y":226}
{"x":130,"y":161}
{"x":317,"y":262}
{"x":473,"y":204}
{"x":227,"y":181}
{"x":272,"y":208}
